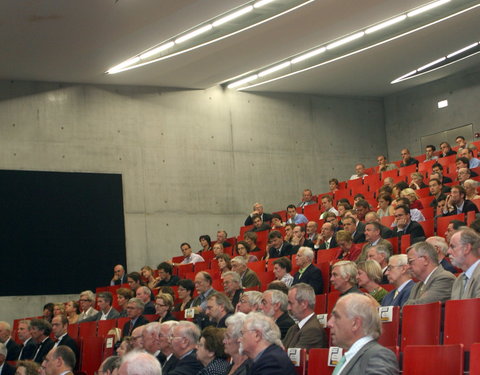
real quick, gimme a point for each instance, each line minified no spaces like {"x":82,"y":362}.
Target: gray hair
{"x":359,"y":305}
{"x":6,"y":326}
{"x":146,"y":289}
{"x":240,"y":260}
{"x":383,"y":249}
{"x":425,"y":249}
{"x":111,"y":363}
{"x":402,"y":259}
{"x":222,"y":300}
{"x":236,"y":321}
{"x":470,"y":236}
{"x":348,"y":269}
{"x":190,"y":331}
{"x":89,"y":294}
{"x":152,"y":328}
{"x":235,"y":277}
{"x":254,"y":298}
{"x":266,"y":326}
{"x":304,"y":293}
{"x":307,"y":252}
{"x":473,"y":183}
{"x":439,"y":242}
{"x":138,"y":302}
{"x":279,"y":297}
{"x":141,"y":363}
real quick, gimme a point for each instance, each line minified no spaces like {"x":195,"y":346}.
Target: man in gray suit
{"x":104,"y":302}
{"x":435,"y":283}
{"x":464,"y":253}
{"x":355,"y":327}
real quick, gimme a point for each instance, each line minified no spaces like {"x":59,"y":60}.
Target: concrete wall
{"x":192,"y":162}
{"x":414,"y":113}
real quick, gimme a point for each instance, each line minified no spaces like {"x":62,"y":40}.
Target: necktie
{"x":464,"y":284}
{"x":339,"y":366}
{"x":395,"y":294}
{"x":327,"y":244}
{"x":131,"y":328}
{"x":21,"y":351}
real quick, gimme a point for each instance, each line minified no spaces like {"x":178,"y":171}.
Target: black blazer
{"x":284,"y":322}
{"x":385,"y":232}
{"x":28,"y":351}
{"x":265,"y":218}
{"x":415,"y":231}
{"x":7,"y":369}
{"x":285,"y":251}
{"x":359,"y":235}
{"x":149,"y":308}
{"x":467,"y":207}
{"x":13,"y":350}
{"x":273,"y":361}
{"x":141,"y":321}
{"x":68,"y":341}
{"x":333,"y":243}
{"x":43,"y":349}
{"x":311,"y":276}
{"x":169,"y":365}
{"x":188,"y":365}
{"x":167,"y":317}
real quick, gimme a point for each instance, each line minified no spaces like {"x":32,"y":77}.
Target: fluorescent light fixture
{"x":462,"y":50}
{"x":442,"y":103}
{"x":431,"y":64}
{"x":273,"y":69}
{"x":261,"y":3}
{"x":232,"y":16}
{"x":427,"y":7}
{"x":346,"y":40}
{"x":307,"y":55}
{"x":399,"y":79}
{"x":242,"y":81}
{"x":385,"y":24}
{"x":193,"y":34}
{"x":156,"y":50}
{"x":119,"y":67}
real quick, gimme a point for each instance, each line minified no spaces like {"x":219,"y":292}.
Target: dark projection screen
{"x":60,"y":233}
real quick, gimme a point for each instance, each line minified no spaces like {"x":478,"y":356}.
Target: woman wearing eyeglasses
{"x":163,"y":307}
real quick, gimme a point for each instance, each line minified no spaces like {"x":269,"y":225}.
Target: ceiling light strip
{"x":427,"y":7}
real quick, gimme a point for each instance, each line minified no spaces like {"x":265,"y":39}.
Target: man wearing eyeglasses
{"x":184,"y":338}
{"x":407,"y":226}
{"x":399,"y":276}
{"x":134,"y":312}
{"x":435,"y":284}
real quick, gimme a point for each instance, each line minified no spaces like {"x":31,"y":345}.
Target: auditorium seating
{"x":421,"y":324}
{"x":433,"y":359}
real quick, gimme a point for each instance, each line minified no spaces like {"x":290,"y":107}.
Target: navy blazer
{"x":402,"y":297}
{"x":273,"y":361}
{"x":141,"y":321}
{"x":68,"y":341}
{"x":28,"y":351}
{"x":43,"y":349}
{"x":286,"y":250}
{"x":311,"y":276}
{"x":7,"y":369}
{"x":188,"y":365}
{"x":13,"y":350}
{"x":415,"y":231}
{"x":467,"y":207}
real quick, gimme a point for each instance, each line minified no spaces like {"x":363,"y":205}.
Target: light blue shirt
{"x":298,"y":219}
{"x":474,"y":163}
{"x":357,"y":345}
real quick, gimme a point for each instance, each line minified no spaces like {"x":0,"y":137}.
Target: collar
{"x":374,"y":243}
{"x":302,"y":322}
{"x":471,"y":269}
{"x":430,"y":274}
{"x":401,"y":287}
{"x":108,"y":312}
{"x":61,"y":337}
{"x":354,"y":349}
{"x":186,"y":354}
{"x":460,"y":207}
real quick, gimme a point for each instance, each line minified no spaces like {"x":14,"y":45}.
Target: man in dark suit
{"x":279,"y":247}
{"x":274,"y":305}
{"x":308,"y":333}
{"x":456,"y":202}
{"x":441,"y":247}
{"x":373,"y":238}
{"x":28,"y":349}
{"x":326,"y":239}
{"x":406,"y":226}
{"x":40,"y":330}
{"x":119,"y":275}
{"x":219,"y":308}
{"x":134,"y":312}
{"x":260,"y":342}
{"x":298,"y":239}
{"x":59,"y":329}
{"x":184,"y":339}
{"x":5,"y":367}
{"x":60,"y":360}
{"x":385,"y":232}
{"x":6,"y":338}
{"x":355,"y":320}
{"x":381,"y":254}
{"x":258,"y":210}
{"x":145,"y":295}
{"x":308,"y":273}
{"x":356,"y":228}
{"x":165,"y":346}
{"x":399,"y":276}
{"x":259,"y":225}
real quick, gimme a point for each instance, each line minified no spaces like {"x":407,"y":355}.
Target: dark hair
{"x":284,"y":263}
{"x":166,"y":290}
{"x":436,"y":180}
{"x":333,"y":180}
{"x":475,"y":225}
{"x":42,"y":325}
{"x":107,"y":296}
{"x":207,"y":238}
{"x":385,"y":197}
{"x":457,"y":224}
{"x":76,"y":306}
{"x":463,"y":159}
{"x":254,"y":217}
{"x":276,"y":216}
{"x":188,"y":285}
{"x":185,"y":243}
{"x":438,"y":165}
{"x":135,"y":276}
{"x":345,"y":200}
{"x":49,"y":306}
{"x":278,"y":285}
{"x":405,"y":201}
{"x":226,"y":258}
{"x":358,"y":195}
{"x":213,"y":337}
{"x":362,"y":203}
{"x":244,"y":244}
{"x":460,"y":136}
{"x":167,"y":267}
{"x":461,"y":190}
{"x":125,"y":293}
{"x":111,"y":363}
{"x":431,"y":146}
{"x":401,"y":185}
{"x":67,"y":355}
{"x":375,"y":224}
{"x":274,"y":234}
{"x":405,"y":209}
{"x":291,"y":206}
{"x":251,"y":235}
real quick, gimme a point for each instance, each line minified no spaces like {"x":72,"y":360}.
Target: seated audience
{"x":327,"y":206}
{"x":373,"y":238}
{"x":311,"y":231}
{"x":185,"y":291}
{"x":407,"y":158}
{"x":58,"y":309}
{"x":369,"y":277}
{"x":232,"y":286}
{"x":385,"y":207}
{"x":381,"y":254}
{"x":148,"y":277}
{"x":333,"y":185}
{"x":248,"y":277}
{"x":217,"y":249}
{"x":134,"y":280}
{"x":294,"y":217}
{"x":277,"y":222}
{"x":384,"y":165}
{"x":164,"y":307}
{"x":438,"y":168}
{"x":307,"y":199}
{"x":473,"y":162}
{"x":359,"y":172}
{"x":343,"y":207}
{"x":435,"y":187}
{"x":145,"y":295}
{"x":354,"y":227}
{"x":219,"y":308}
{"x":104,"y":303}
{"x":11,"y":346}
{"x":239,"y":362}
{"x":417,"y":181}
{"x":126,"y":346}
{"x":258,"y":210}
{"x":355,"y":326}
{"x":250,"y":301}
{"x":123,"y":296}
{"x":135,"y":308}
{"x":87,"y":301}
{"x":211,"y":352}
{"x":452,"y":227}
{"x":275,"y":305}
{"x":281,"y":270}
{"x":308,"y":333}
{"x":26,"y":367}
{"x":222,"y":238}
{"x":457,"y":204}
{"x":326,"y":239}
{"x":251,"y":239}
{"x":429,"y":153}
{"x":165,"y":275}
{"x":415,"y":213}
{"x":259,"y":225}
{"x":404,"y":225}
{"x":471,"y":189}
{"x":59,"y":330}
{"x":372,"y":217}
{"x":190,"y":256}
{"x":464,"y":253}
{"x":205,"y":242}
{"x":389,"y":182}
{"x":441,"y":247}
{"x":308,"y":273}
{"x":397,"y":189}
{"x":72,"y":311}
{"x":119,"y":275}
{"x":362,"y":207}
{"x":40,"y":330}
{"x":185,"y":339}
{"x":344,"y":277}
{"x":462,"y":143}
{"x":347,"y":249}
{"x":224,"y":263}
{"x":446,"y":150}
{"x":262,"y":345}
{"x":399,"y":276}
{"x":48,"y":312}
{"x":279,"y":248}
{"x":28,"y":346}
{"x":298,"y":239}
{"x":412,"y":197}
{"x":242,"y":249}
{"x":435,"y":284}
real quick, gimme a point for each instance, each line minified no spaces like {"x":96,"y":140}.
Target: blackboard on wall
{"x":60,"y":233}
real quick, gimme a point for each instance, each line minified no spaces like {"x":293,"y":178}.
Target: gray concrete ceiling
{"x":77,"y":41}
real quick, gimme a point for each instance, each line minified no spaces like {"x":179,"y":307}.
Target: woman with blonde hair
{"x":163,"y":307}
{"x":369,"y":277}
{"x":410,"y":194}
{"x":148,"y":276}
{"x":471,"y":189}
